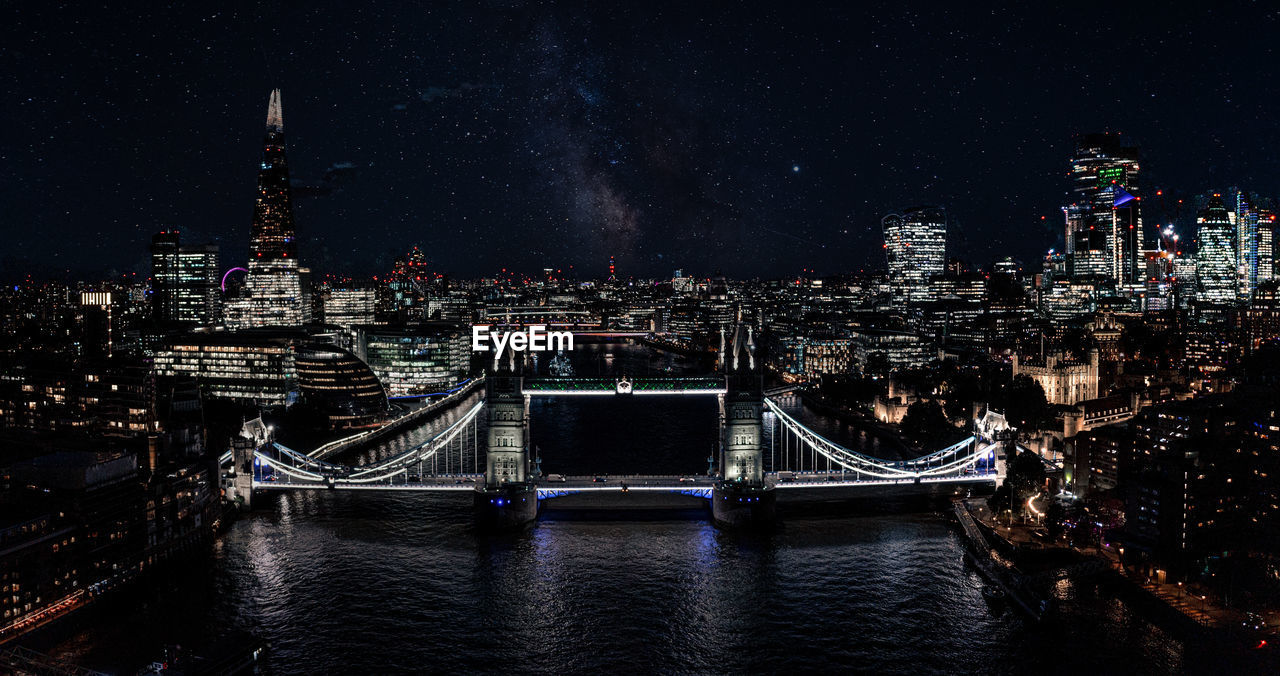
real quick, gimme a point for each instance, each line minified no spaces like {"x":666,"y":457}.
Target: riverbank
{"x":1191,"y":618}
{"x":155,"y":559}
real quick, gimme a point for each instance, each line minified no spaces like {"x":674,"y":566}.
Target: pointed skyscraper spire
{"x":275,"y":115}
{"x":274,"y":293}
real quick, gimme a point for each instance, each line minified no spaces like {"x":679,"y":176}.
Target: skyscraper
{"x":1253,"y":230}
{"x":164,"y":275}
{"x":184,"y":281}
{"x":915,"y":244}
{"x":273,"y":289}
{"x":1104,"y":226}
{"x":1266,"y":246}
{"x":1216,"y":272}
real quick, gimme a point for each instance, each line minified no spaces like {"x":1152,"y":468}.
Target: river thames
{"x":363,"y":582}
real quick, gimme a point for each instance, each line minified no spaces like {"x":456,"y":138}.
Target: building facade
{"x":416,"y":360}
{"x":1103,"y":224}
{"x":1065,"y":381}
{"x":915,"y":244}
{"x":273,"y":290}
{"x":1216,"y":272}
{"x":245,"y":369}
{"x":341,"y":385}
{"x":184,"y":282}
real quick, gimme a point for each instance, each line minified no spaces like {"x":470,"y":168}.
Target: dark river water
{"x":364,"y":582}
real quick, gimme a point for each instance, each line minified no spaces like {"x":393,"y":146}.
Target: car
{"x":687,"y":480}
{"x":832,"y":478}
{"x":599,"y":480}
{"x":556,"y":478}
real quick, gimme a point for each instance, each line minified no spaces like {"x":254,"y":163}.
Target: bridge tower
{"x":742,"y":499}
{"x":508,"y":498}
{"x":254,"y":434}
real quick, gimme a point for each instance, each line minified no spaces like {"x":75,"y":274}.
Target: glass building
{"x":418,"y":359}
{"x":1104,"y":223}
{"x":1216,"y":271}
{"x":1254,"y":228}
{"x":273,"y":291}
{"x":915,"y":244}
{"x":1266,"y":246}
{"x":257,"y":370}
{"x":349,"y":306}
{"x":184,"y":282}
{"x":341,"y":385}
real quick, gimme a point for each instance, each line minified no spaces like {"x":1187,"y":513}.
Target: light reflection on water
{"x":356,"y":582}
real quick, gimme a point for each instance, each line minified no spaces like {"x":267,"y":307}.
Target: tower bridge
{"x":744,"y":481}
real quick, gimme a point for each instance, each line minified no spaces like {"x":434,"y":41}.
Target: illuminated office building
{"x":1103,"y":224}
{"x":1266,"y":246}
{"x":1246,"y":244}
{"x":338,"y":383}
{"x":273,"y":292}
{"x":915,"y":243}
{"x":1254,"y":229}
{"x":410,"y":287}
{"x":98,"y":328}
{"x":417,"y":359}
{"x":1216,"y":271}
{"x":348,"y":306}
{"x":256,"y":370}
{"x":184,"y":282}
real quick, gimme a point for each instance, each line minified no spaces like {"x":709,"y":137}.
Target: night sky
{"x":528,"y":135}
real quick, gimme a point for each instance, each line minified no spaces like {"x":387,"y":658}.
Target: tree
{"x":877,"y":364}
{"x":1024,"y":478}
{"x":1024,"y":404}
{"x":923,"y":422}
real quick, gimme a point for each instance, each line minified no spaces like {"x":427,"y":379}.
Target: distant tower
{"x":273,"y":287}
{"x":164,"y":275}
{"x":1253,"y":231}
{"x":1216,"y":272}
{"x":1266,"y":246}
{"x":613,"y":273}
{"x":1104,"y":226}
{"x":915,"y":244}
{"x":184,"y":282}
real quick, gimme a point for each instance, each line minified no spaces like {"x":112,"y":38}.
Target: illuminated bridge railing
{"x":277,"y":466}
{"x":965,"y":458}
{"x":639,"y":385}
{"x":420,"y":468}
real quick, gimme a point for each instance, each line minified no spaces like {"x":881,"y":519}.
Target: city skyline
{"x":592,"y":338}
{"x":535,"y":156}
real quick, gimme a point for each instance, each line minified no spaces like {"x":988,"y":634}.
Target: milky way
{"x":526,"y":135}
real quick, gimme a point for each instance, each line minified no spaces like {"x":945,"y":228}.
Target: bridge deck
{"x":549,"y":386}
{"x":806,"y":482}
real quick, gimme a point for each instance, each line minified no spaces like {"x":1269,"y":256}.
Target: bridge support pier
{"x":743,"y":506}
{"x":506,"y":507}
